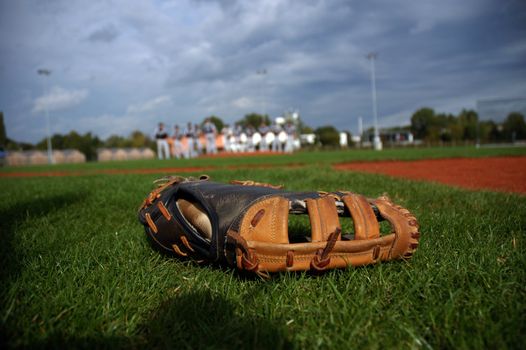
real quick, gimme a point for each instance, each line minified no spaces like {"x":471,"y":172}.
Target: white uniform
{"x":209,"y":129}
{"x":291,"y":134}
{"x":263,"y":145}
{"x":189,"y":132}
{"x":276,"y":143}
{"x":161,"y":136}
{"x":178,"y":147}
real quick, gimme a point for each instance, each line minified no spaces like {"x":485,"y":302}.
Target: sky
{"x":123,"y":65}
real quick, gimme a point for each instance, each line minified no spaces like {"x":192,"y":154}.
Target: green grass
{"x":77,"y":272}
{"x":299,"y":158}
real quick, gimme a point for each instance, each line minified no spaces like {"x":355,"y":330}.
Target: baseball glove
{"x":246,"y":224}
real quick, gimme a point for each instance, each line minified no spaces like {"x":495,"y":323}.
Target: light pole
{"x":46,"y":73}
{"x":263,"y":74}
{"x":360,"y":130}
{"x":377,"y":142}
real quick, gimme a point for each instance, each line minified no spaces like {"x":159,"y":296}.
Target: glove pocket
{"x":167,"y":234}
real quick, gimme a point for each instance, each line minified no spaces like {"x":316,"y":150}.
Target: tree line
{"x":88,"y":143}
{"x":426,"y":125}
{"x":429,"y":126}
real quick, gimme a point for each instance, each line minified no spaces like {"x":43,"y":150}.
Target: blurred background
{"x":103,"y":74}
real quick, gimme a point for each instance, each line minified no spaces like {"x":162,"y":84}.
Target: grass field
{"x":300,"y":158}
{"x":77,"y":271}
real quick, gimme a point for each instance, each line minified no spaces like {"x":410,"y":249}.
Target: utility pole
{"x":46,"y":73}
{"x":377,"y":142}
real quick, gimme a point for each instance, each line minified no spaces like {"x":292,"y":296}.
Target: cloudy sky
{"x":117,"y":66}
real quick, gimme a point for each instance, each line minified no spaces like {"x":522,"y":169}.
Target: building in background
{"x":390,"y":137}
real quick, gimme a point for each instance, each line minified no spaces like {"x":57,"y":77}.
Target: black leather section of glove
{"x":223,"y":204}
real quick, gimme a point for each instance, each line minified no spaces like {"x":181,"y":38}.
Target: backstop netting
{"x":497,"y":109}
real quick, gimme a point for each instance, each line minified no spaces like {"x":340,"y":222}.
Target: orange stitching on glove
{"x":150,"y":222}
{"x":257,"y":218}
{"x":322,"y":259}
{"x":186,"y":243}
{"x":256,"y":233}
{"x":164,"y":211}
{"x":290,"y":258}
{"x":178,"y":250}
{"x":248,"y":258}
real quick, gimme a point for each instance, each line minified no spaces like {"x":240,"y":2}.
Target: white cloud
{"x":150,"y":105}
{"x":59,"y":98}
{"x":145,"y":62}
{"x":243,"y":103}
{"x":427,"y":14}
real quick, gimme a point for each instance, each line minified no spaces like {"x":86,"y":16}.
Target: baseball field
{"x":78,"y":272}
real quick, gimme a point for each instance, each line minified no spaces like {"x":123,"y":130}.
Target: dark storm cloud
{"x":106,"y":34}
{"x":138,"y":62}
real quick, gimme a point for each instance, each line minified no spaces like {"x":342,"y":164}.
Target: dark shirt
{"x":161,"y":134}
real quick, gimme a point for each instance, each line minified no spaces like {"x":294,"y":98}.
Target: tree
{"x":254,"y":120}
{"x":3,"y":136}
{"x":489,"y":131}
{"x":138,"y":139}
{"x":421,"y":122}
{"x":57,"y":142}
{"x":456,"y":129}
{"x":328,"y":135}
{"x":514,"y":127}
{"x":116,"y":141}
{"x":12,"y":145}
{"x":218,"y":122}
{"x":304,"y":128}
{"x":469,"y":119}
{"x":86,"y":144}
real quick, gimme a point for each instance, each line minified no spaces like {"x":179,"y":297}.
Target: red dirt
{"x":103,"y":171}
{"x":140,"y":171}
{"x":506,"y":174}
{"x":242,"y":154}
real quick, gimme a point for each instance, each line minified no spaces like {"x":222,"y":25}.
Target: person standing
{"x":197,"y":140}
{"x":189,"y":132}
{"x":161,"y":136}
{"x":290,"y":129}
{"x":228,"y":138}
{"x":276,"y":143}
{"x":263,"y":130}
{"x":178,"y":146}
{"x":250,"y":131}
{"x":210,"y":131}
{"x":238,"y":144}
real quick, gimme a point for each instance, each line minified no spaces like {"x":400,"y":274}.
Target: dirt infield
{"x":180,"y":170}
{"x":104,"y":171}
{"x":506,"y":174}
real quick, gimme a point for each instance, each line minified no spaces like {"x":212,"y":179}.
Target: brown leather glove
{"x":245,"y":224}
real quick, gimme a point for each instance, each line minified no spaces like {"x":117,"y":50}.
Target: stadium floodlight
{"x":46,"y":73}
{"x":376,"y":141}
